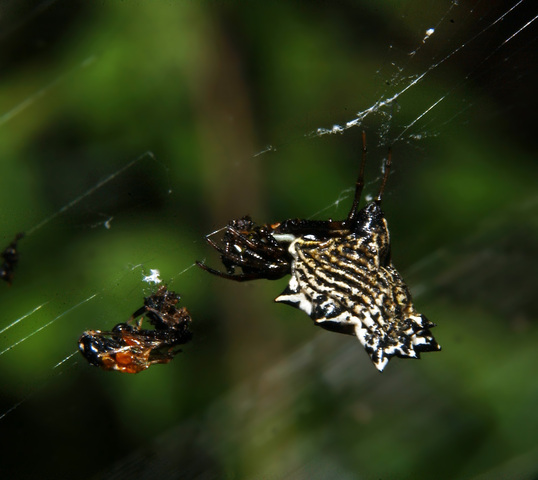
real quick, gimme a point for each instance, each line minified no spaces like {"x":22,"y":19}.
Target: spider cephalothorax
{"x":254,"y":249}
{"x":129,"y":348}
{"x":341,"y":274}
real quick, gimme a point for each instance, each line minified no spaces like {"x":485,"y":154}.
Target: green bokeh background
{"x":88,"y":87}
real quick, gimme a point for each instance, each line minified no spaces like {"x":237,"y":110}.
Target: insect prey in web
{"x":129,"y":348}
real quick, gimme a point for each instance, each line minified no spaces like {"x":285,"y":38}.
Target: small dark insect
{"x":341,"y":274}
{"x":11,"y":258}
{"x":130,"y":349}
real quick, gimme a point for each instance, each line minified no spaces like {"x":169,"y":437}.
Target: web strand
{"x":381,"y":103}
{"x":30,"y":100}
{"x":47,"y":324}
{"x":92,"y":190}
{"x":26,"y":315}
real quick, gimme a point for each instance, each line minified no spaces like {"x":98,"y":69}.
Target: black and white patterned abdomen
{"x":344,"y":285}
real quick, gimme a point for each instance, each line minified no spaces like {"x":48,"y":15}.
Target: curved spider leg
{"x":240,"y":237}
{"x":216,"y":246}
{"x":250,"y":245}
{"x":235,"y":259}
{"x":232,"y":255}
{"x":240,"y":277}
{"x":253,"y":246}
{"x":388,"y":164}
{"x":254,"y":261}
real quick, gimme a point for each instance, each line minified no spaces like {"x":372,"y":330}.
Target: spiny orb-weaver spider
{"x":130,"y":349}
{"x":341,"y":274}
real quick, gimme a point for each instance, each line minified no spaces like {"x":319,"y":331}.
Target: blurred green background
{"x":228,"y":97}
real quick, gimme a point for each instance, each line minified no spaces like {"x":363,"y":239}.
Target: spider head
{"x":252,"y":248}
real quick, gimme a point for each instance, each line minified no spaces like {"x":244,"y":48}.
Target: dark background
{"x":229,"y":96}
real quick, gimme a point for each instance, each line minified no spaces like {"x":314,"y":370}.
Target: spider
{"x":11,"y":258}
{"x":341,"y":274}
{"x":130,"y":349}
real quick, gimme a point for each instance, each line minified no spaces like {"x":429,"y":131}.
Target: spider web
{"x":123,"y":149}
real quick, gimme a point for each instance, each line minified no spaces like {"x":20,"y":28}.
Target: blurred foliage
{"x":227,"y":97}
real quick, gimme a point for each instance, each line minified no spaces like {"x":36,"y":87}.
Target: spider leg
{"x":249,"y":243}
{"x":216,"y":246}
{"x":242,"y":277}
{"x":254,"y":259}
{"x":236,"y":259}
{"x":262,"y":247}
{"x":388,"y":164}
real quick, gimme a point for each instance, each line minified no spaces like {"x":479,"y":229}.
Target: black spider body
{"x":341,"y":275}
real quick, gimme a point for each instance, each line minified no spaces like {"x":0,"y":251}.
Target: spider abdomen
{"x":344,"y":288}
